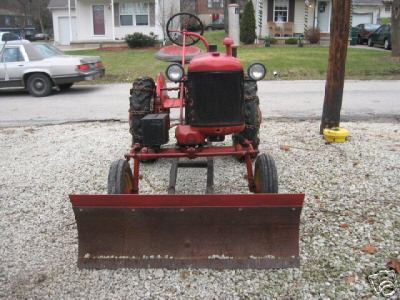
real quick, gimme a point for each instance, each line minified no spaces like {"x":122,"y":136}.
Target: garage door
{"x":63,"y":30}
{"x":361,"y":19}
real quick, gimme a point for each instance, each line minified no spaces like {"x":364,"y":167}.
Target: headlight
{"x":175,"y":72}
{"x":256,"y":71}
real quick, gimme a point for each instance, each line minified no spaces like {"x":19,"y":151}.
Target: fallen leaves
{"x":285,"y":148}
{"x":344,"y":226}
{"x":395,"y":265}
{"x":369,"y":249}
{"x":350,"y":280}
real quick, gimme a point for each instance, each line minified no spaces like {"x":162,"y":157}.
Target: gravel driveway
{"x":352,"y":200}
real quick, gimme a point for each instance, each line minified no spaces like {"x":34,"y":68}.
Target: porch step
{"x":325,"y":40}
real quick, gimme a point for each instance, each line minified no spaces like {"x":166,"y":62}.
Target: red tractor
{"x":216,"y":98}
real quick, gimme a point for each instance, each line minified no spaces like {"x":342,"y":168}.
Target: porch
{"x":291,"y":18}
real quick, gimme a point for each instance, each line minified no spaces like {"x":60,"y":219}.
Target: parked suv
{"x":381,"y":37}
{"x":364,"y":31}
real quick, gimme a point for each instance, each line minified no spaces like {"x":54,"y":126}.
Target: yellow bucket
{"x":335,"y":135}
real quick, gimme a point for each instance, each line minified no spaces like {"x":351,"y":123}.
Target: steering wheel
{"x":184,"y":21}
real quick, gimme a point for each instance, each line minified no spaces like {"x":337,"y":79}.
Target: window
{"x":12,"y":55}
{"x":7,"y":20}
{"x":387,"y":7}
{"x":215,"y":3}
{"x":281,"y":8}
{"x":126,"y":14}
{"x":142,"y":13}
{"x":131,"y":13}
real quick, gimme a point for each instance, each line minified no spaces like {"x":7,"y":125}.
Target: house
{"x":16,"y":23}
{"x":292,"y":17}
{"x":96,"y":21}
{"x":370,"y":11}
{"x":88,"y":21}
{"x":281,"y":18}
{"x":210,"y":10}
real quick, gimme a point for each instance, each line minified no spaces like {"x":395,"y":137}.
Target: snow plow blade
{"x":240,"y":231}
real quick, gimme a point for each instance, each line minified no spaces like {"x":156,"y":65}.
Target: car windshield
{"x":371,"y":26}
{"x":48,"y":50}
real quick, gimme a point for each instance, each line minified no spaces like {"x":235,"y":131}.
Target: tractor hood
{"x":214,"y":61}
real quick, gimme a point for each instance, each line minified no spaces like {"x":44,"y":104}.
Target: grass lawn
{"x":292,"y":62}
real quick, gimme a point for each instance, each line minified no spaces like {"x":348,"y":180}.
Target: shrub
{"x":139,"y":40}
{"x":248,"y":24}
{"x":291,"y":41}
{"x":383,"y":21}
{"x":273,"y":41}
{"x":313,"y":35}
{"x":269,"y":41}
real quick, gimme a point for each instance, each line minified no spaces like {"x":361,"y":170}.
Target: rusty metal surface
{"x":227,"y":235}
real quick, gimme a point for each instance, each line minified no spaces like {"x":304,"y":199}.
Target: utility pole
{"x":339,"y":31}
{"x":395,"y":28}
{"x":226,"y":15}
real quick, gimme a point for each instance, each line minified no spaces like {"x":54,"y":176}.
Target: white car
{"x":39,"y":68}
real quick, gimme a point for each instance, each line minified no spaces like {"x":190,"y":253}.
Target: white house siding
{"x":56,"y":14}
{"x":299,"y":16}
{"x":122,"y":31}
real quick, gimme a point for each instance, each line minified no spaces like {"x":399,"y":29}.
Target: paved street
{"x":363,"y":100}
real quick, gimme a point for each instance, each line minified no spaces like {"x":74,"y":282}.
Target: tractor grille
{"x":215,"y":99}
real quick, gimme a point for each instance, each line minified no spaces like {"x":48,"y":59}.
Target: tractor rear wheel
{"x":265,"y":174}
{"x":253,"y":116}
{"x":120,"y":178}
{"x":141,"y":103}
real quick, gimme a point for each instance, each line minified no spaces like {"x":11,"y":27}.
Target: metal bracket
{"x":209,"y":164}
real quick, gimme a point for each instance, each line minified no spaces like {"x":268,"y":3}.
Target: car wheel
{"x":39,"y":85}
{"x":386,"y":44}
{"x":65,"y":86}
{"x":370,"y":43}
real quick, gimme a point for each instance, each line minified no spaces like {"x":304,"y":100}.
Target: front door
{"x":323,"y":15}
{"x":98,"y":20}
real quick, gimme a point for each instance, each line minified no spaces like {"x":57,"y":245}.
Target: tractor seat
{"x":173,"y":53}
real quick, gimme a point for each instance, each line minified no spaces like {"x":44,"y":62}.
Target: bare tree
{"x":30,"y":8}
{"x":25,"y":7}
{"x":395,"y":28}
{"x":166,"y":11}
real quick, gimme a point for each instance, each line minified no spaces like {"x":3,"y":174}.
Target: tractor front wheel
{"x":120,"y":178}
{"x":265,"y":175}
{"x":252,"y":116}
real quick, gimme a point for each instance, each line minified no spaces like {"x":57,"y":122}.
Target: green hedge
{"x":140,"y":40}
{"x":291,"y":41}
